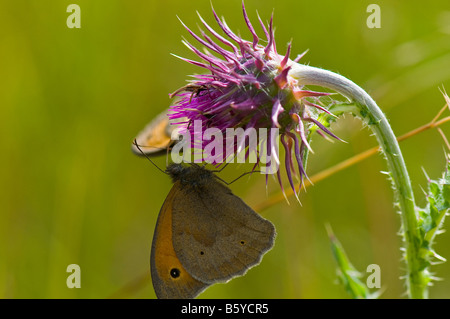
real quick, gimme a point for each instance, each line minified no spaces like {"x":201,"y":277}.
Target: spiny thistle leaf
{"x":431,"y":219}
{"x":347,"y":273}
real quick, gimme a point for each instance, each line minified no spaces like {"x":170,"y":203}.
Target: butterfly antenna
{"x":246,"y":173}
{"x":147,"y":157}
{"x":242,"y":175}
{"x":220,"y":169}
{"x":225,"y":165}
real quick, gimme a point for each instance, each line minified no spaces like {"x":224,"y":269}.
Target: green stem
{"x":375,"y":118}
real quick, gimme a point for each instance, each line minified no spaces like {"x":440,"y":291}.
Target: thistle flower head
{"x":247,"y":85}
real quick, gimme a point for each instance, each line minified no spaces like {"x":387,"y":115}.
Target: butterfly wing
{"x":155,"y":138}
{"x":170,"y":279}
{"x":216,"y":235}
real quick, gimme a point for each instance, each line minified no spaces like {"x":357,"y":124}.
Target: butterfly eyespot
{"x":242,"y":242}
{"x":202,"y":252}
{"x":175,"y":273}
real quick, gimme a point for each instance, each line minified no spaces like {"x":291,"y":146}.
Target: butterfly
{"x":204,"y":235}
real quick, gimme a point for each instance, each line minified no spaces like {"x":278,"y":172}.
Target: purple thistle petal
{"x":246,"y":78}
{"x":291,"y":163}
{"x":225,"y":28}
{"x":277,"y":109}
{"x":228,"y":77}
{"x":298,"y":156}
{"x":286,"y":57}
{"x":300,"y":56}
{"x":211,"y":45}
{"x":322,"y":127}
{"x":250,"y":27}
{"x":282,"y":78}
{"x":243,"y":106}
{"x":263,"y":26}
{"x":301,"y":131}
{"x":281,"y":185}
{"x":227,"y":55}
{"x":219,"y":37}
{"x":287,"y":163}
{"x":274,"y":151}
{"x":319,"y":107}
{"x":218,"y":84}
{"x":205,"y":57}
{"x":270,"y":44}
{"x":242,"y":44}
{"x":216,"y":72}
{"x":274,"y":44}
{"x":299,"y":94}
{"x":211,"y":81}
{"x":324,"y":135}
{"x":302,"y":151}
{"x":208,"y":57}
{"x":259,"y":61}
{"x":271,"y":150}
{"x":196,"y":63}
{"x":196,"y":37}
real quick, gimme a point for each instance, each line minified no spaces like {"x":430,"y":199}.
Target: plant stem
{"x":372,"y":114}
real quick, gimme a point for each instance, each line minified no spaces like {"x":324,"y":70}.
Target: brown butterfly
{"x":204,"y":235}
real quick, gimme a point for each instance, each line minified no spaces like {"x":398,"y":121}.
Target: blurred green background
{"x":72,"y":100}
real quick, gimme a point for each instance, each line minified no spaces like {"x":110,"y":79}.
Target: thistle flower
{"x":249,"y":86}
